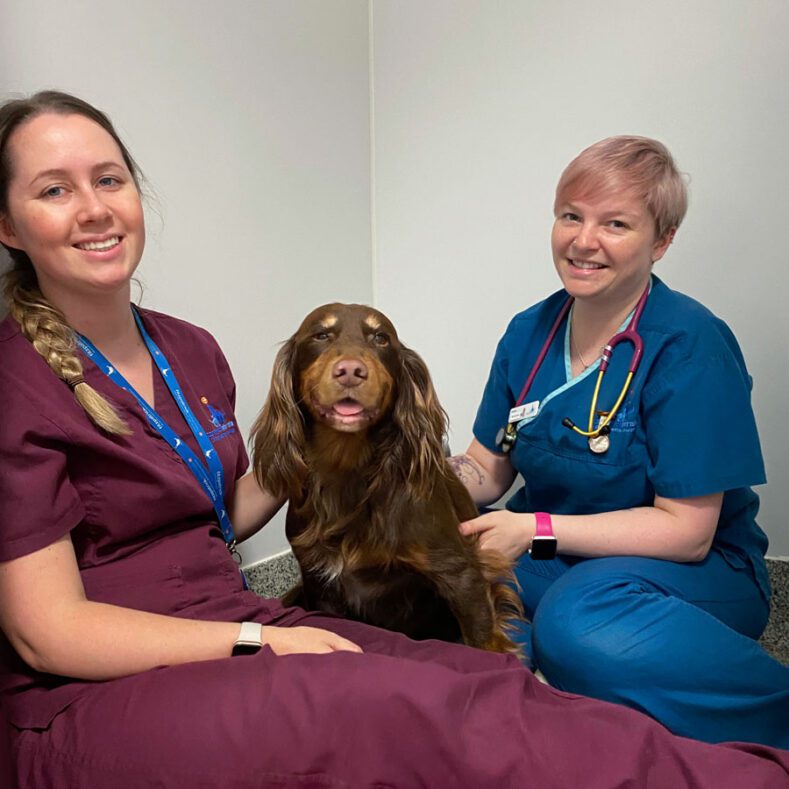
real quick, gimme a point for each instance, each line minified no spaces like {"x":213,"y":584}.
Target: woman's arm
{"x":251,"y":507}
{"x":486,"y":475}
{"x":680,"y":530}
{"x":55,"y":629}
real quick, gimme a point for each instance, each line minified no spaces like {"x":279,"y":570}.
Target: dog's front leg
{"x":463,"y":586}
{"x":468,"y":596}
{"x":295,"y":596}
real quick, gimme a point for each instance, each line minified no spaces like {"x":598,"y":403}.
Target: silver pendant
{"x":599,"y":444}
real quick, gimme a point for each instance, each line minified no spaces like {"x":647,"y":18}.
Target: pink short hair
{"x":632,"y":164}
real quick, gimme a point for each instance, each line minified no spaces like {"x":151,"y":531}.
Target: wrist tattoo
{"x":466,"y":470}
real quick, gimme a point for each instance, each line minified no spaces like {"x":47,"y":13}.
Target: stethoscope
{"x":598,"y":437}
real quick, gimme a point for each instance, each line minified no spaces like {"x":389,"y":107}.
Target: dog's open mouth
{"x":348,"y":407}
{"x":346,"y":413}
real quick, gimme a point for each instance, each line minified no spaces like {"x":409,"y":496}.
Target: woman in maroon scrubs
{"x":120,"y":604}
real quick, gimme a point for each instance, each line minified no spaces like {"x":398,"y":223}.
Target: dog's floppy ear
{"x":422,"y":422}
{"x":278,"y":433}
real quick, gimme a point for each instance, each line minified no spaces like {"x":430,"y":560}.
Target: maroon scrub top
{"x":403,"y":714}
{"x":132,"y":507}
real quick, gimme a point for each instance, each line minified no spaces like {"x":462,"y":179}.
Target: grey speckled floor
{"x":273,"y":577}
{"x":776,"y":636}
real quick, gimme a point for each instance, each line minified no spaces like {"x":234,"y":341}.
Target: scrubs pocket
{"x":156,"y":589}
{"x":578,"y":482}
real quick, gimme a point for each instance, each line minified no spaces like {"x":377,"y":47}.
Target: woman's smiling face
{"x":72,"y":206}
{"x":604,"y":246}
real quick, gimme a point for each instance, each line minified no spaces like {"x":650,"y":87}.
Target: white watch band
{"x":250,"y":635}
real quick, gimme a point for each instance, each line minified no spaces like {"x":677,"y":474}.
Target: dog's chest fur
{"x":362,"y":564}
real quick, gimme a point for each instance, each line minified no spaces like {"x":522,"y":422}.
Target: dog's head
{"x":345,"y":369}
{"x":346,"y":361}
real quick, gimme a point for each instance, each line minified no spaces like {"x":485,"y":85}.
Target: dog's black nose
{"x":349,"y":372}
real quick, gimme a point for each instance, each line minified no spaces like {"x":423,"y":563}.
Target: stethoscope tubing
{"x":629,"y":334}
{"x":544,"y":350}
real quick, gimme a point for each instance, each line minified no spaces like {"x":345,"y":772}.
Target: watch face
{"x":543,"y":548}
{"x":245,"y":649}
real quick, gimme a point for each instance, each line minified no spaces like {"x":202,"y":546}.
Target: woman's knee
{"x":585,"y":636}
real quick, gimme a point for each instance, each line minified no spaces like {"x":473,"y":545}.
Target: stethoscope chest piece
{"x":505,"y":438}
{"x":600,"y":443}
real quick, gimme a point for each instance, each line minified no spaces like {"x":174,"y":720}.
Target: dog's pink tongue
{"x":348,"y":407}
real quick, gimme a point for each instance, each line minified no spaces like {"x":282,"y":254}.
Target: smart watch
{"x":543,"y":544}
{"x":250,"y":639}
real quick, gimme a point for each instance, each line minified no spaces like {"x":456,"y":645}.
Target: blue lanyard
{"x":212,"y":478}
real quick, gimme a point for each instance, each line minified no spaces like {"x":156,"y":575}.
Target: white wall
{"x":478,"y":107}
{"x":251,"y":120}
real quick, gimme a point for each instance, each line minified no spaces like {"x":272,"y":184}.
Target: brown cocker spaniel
{"x":352,"y":433}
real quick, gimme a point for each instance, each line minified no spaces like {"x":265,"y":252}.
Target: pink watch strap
{"x":544,"y":525}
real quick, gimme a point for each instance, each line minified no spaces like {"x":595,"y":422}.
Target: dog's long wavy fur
{"x":402,"y":463}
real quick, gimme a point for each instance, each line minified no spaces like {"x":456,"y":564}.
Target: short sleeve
{"x":515,"y":354}
{"x":496,"y":401}
{"x":700,"y":427}
{"x":38,"y":503}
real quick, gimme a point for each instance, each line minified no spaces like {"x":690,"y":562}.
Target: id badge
{"x":524,"y":411}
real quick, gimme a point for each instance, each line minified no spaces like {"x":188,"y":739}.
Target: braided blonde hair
{"x":41,"y":322}
{"x":45,"y":326}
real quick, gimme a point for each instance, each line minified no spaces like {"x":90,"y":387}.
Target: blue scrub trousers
{"x":677,"y":641}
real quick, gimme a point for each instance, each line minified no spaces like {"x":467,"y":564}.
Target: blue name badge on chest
{"x":524,"y":411}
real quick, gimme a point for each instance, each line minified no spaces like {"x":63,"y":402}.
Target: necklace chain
{"x":574,"y":342}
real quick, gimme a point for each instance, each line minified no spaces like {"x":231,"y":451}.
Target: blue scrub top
{"x":686,"y":427}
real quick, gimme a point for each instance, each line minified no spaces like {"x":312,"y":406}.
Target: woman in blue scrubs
{"x":658,"y":589}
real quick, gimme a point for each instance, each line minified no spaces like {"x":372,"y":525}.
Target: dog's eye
{"x":321,"y":336}
{"x":379,"y":338}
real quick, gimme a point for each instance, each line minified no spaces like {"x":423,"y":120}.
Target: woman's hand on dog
{"x":301,"y":640}
{"x":509,"y":533}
